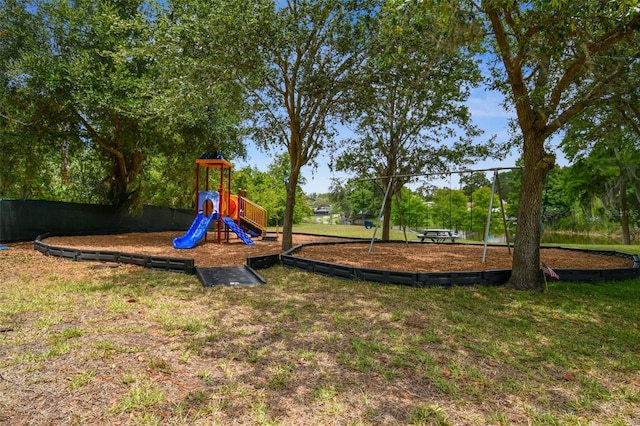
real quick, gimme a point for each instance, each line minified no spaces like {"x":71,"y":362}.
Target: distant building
{"x":321,"y":211}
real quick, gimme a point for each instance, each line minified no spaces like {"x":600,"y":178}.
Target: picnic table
{"x":438,"y":235}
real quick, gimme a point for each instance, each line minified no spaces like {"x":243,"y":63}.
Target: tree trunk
{"x":526,"y":273}
{"x":403,"y":226}
{"x":624,"y":214}
{"x":386,"y":219}
{"x":287,"y":225}
{"x":125,"y":169}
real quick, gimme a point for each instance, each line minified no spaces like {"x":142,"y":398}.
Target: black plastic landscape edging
{"x":457,"y":278}
{"x":264,"y":261}
{"x":289,"y":259}
{"x":172,"y":264}
{"x":597,"y":275}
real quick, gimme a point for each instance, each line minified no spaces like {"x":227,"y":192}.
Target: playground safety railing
{"x":254,"y":214}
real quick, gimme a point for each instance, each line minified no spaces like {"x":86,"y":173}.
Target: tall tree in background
{"x":556,"y":198}
{"x":605,"y":145}
{"x":449,"y":209}
{"x":16,"y":112}
{"x":480,"y":211}
{"x":340,"y":196}
{"x":410,"y":101}
{"x":205,"y":54}
{"x":125,"y":93}
{"x":412,"y":212}
{"x":510,"y":190}
{"x":267,"y":189}
{"x":472,"y":181}
{"x":357,"y":199}
{"x":555,"y":59}
{"x":87,"y":76}
{"x":312,"y":47}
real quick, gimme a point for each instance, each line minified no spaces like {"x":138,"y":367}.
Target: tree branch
{"x":14,"y":120}
{"x":581,"y":104}
{"x":117,"y":154}
{"x":608,"y":40}
{"x":514,"y":71}
{"x":630,"y":120}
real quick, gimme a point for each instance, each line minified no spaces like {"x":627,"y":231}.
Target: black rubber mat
{"x":229,"y":276}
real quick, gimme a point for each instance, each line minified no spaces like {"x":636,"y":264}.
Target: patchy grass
{"x":123,"y":345}
{"x":349,"y":231}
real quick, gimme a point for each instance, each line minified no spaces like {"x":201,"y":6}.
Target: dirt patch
{"x":413,"y":257}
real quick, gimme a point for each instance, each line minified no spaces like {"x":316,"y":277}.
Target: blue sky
{"x":487,"y":113}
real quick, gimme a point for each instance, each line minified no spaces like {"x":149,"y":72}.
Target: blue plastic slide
{"x":196,"y":232}
{"x":198,"y":228}
{"x":238,"y":231}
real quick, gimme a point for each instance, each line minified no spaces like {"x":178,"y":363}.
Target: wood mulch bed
{"x":414,"y":257}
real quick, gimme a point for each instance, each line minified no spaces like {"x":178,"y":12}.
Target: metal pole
{"x":486,"y":230}
{"x":450,"y":206}
{"x":504,"y":217}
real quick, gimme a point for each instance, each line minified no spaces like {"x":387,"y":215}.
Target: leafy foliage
{"x":310,"y":49}
{"x":410,"y":210}
{"x":268,"y":190}
{"x":449,"y":209}
{"x":409,"y":101}
{"x":89,"y":81}
{"x":604,"y":148}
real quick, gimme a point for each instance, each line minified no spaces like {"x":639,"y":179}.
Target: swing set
{"x":495,"y":182}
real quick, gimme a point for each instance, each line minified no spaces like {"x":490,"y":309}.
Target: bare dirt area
{"x":413,"y":257}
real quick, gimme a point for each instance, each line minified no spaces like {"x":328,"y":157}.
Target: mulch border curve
{"x":414,"y":279}
{"x":171,"y":264}
{"x":458,"y":278}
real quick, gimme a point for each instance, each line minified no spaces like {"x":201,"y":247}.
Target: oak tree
{"x":554,"y":59}
{"x":311,"y":49}
{"x":407,"y":109}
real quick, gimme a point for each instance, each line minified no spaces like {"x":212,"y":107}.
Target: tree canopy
{"x":92,"y":82}
{"x":310,"y":49}
{"x":408,"y":108}
{"x":604,"y":145}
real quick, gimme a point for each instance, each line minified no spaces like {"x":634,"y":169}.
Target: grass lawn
{"x":81,"y":343}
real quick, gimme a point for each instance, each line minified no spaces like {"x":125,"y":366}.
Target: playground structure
{"x":236,"y":214}
{"x":228,"y":212}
